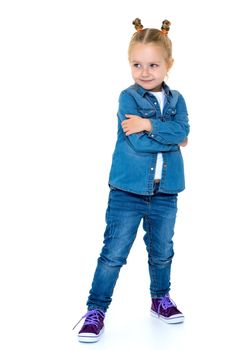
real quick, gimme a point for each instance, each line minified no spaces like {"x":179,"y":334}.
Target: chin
{"x":147,"y":86}
{"x":150,"y":85}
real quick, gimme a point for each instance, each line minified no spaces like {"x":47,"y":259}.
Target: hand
{"x":134,"y":124}
{"x":184,"y":143}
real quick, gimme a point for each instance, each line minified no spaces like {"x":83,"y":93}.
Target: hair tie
{"x":165,"y":27}
{"x":138,"y":25}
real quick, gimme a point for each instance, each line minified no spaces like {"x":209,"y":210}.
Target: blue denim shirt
{"x":135,"y":156}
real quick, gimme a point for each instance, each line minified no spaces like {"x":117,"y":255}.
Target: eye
{"x":154,"y":65}
{"x":137,"y":65}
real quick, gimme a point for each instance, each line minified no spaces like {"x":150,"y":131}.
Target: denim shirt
{"x":134,"y":158}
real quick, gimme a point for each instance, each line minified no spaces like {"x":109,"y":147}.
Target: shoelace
{"x":165,"y":303}
{"x":92,"y":318}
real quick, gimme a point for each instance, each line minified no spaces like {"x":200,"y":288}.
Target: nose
{"x":145,"y":72}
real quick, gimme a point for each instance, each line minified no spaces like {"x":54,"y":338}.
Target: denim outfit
{"x":134,"y":195}
{"x":134,"y":158}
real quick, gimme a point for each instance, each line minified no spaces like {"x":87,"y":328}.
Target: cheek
{"x":162,"y":73}
{"x":134,"y":73}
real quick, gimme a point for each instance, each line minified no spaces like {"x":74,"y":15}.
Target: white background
{"x":63,"y":65}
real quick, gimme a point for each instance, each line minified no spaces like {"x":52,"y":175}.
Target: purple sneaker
{"x":166,"y":309}
{"x":93,"y":326}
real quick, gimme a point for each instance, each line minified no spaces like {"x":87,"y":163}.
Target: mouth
{"x":146,"y":81}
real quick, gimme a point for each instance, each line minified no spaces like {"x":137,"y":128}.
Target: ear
{"x":170,"y":63}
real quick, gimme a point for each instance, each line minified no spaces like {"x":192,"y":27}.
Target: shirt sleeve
{"x":172,"y":131}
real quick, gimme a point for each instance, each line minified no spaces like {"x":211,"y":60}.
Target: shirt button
{"x":152,"y":169}
{"x":152,"y":135}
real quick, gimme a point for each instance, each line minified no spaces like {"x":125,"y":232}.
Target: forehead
{"x":147,"y":52}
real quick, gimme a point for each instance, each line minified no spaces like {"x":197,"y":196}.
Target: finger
{"x":129,"y":116}
{"x":184,"y":143}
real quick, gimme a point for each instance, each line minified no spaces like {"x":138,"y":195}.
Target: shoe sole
{"x":90,"y":337}
{"x":171,"y":320}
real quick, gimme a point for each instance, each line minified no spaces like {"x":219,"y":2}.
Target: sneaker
{"x":93,"y":326}
{"x":165,"y":309}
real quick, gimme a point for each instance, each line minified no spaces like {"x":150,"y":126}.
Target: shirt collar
{"x":143,"y":91}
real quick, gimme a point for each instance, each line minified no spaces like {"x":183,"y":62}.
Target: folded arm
{"x":134,"y":124}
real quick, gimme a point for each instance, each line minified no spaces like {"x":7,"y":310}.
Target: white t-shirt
{"x":160,"y":95}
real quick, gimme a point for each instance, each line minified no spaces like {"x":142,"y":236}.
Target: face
{"x":149,"y":65}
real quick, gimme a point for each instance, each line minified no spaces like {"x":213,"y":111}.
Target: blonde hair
{"x":152,"y":36}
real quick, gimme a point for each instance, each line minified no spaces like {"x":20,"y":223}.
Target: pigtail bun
{"x":138,"y":25}
{"x":165,"y":27}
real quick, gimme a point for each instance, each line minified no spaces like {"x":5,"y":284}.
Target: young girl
{"x":146,"y":175}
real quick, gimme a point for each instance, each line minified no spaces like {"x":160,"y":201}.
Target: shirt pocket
{"x":169,"y":114}
{"x":147,"y":112}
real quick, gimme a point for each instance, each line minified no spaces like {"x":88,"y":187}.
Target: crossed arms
{"x":153,"y":135}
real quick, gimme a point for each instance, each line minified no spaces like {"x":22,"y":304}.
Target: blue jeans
{"x":123,"y":216}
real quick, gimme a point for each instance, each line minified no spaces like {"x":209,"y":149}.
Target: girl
{"x":146,"y":175}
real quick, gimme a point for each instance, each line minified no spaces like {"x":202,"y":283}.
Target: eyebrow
{"x":154,"y":62}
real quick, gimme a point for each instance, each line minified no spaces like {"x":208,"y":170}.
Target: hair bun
{"x":165,"y":27}
{"x":138,"y":25}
